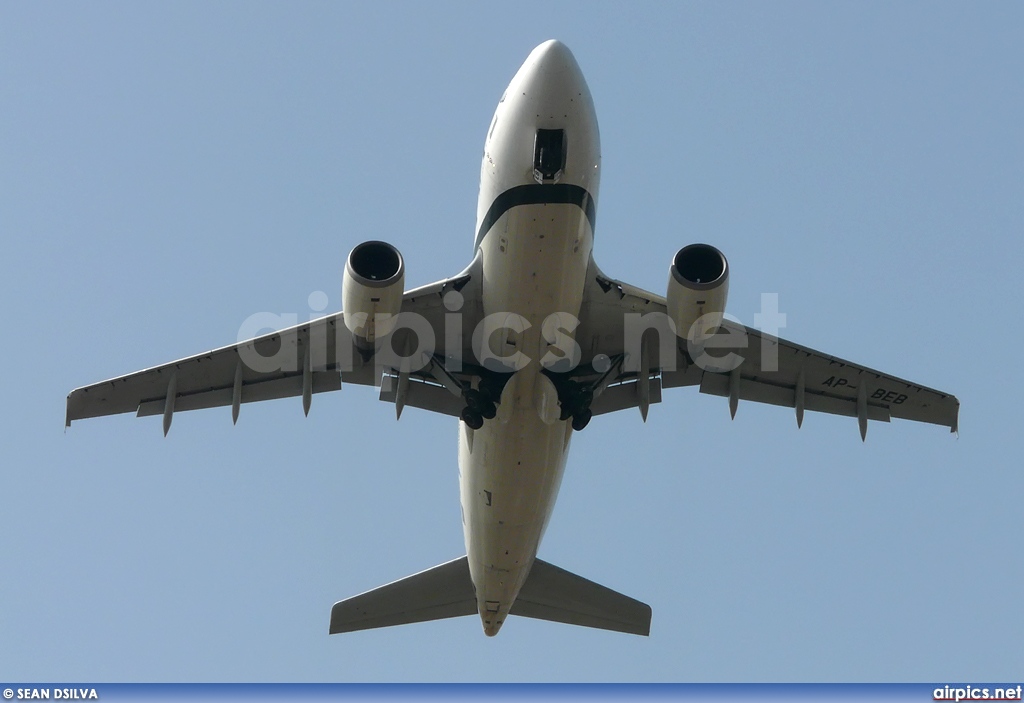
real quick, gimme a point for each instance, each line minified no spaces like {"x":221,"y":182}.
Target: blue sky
{"x":167,"y":170}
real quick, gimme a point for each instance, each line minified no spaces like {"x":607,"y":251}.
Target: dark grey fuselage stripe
{"x":536,"y":194}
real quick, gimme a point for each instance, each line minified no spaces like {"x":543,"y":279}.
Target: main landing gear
{"x":581,"y":419}
{"x":473,"y":419}
{"x":478,"y":408}
{"x":573,"y":397}
{"x":481,"y":404}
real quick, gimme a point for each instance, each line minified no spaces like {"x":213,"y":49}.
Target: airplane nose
{"x":553,"y":58}
{"x":554,"y":54}
{"x":544,"y":128}
{"x":552,"y":81}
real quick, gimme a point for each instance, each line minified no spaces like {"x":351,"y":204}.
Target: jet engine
{"x":372,"y":289}
{"x":698,"y":285}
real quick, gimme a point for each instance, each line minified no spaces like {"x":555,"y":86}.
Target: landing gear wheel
{"x":491,"y":388}
{"x":481,"y":403}
{"x":473,"y":419}
{"x":581,"y":419}
{"x":475,"y":399}
{"x":586,"y":396}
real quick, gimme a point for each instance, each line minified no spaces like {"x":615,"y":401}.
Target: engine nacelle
{"x":372,"y":289}
{"x":698,"y":284}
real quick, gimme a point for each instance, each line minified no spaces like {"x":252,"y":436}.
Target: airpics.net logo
{"x":498,"y":340}
{"x":977,"y":693}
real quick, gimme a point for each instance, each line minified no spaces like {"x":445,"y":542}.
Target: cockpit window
{"x":549,"y":154}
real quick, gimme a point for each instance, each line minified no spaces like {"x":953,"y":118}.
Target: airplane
{"x":524,"y":346}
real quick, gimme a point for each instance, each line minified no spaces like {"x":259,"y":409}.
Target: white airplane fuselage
{"x":535,"y":236}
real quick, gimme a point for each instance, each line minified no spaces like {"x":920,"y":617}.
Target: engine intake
{"x":698,"y":285}
{"x":372,"y":289}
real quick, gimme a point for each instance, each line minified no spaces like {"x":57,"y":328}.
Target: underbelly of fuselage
{"x":535,"y":261}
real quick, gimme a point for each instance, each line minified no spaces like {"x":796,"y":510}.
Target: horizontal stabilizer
{"x":551,"y":593}
{"x":445,"y":591}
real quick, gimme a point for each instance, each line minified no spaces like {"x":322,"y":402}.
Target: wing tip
{"x":67,"y":411}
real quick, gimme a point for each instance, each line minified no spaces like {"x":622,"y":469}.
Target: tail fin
{"x":551,"y":593}
{"x":447,"y":591}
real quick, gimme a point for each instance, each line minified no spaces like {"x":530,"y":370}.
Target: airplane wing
{"x":313,"y":357}
{"x":765,"y":369}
